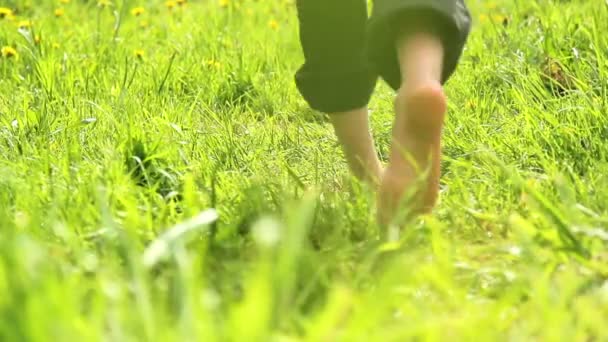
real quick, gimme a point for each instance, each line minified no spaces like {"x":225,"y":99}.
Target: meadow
{"x":162,"y":180}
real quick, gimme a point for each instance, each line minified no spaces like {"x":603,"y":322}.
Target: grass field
{"x":123,"y":120}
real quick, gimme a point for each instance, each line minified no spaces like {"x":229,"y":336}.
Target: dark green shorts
{"x":345,"y":51}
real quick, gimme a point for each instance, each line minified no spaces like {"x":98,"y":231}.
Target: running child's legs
{"x":414,"y":45}
{"x":337,"y":77}
{"x":420,"y":108}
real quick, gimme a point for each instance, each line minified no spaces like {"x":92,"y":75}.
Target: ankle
{"x":413,"y":87}
{"x":420,"y":57}
{"x":354,"y":134}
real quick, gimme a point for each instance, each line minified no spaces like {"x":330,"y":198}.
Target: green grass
{"x":102,"y":151}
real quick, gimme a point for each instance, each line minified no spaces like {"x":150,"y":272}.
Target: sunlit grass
{"x":125,"y":127}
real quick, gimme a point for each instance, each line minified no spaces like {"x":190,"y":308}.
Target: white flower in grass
{"x":267,"y":232}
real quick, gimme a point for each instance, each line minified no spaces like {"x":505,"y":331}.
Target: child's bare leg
{"x":420,"y":108}
{"x":353,"y":132}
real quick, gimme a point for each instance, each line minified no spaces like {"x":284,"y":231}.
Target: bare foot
{"x":413,"y":172}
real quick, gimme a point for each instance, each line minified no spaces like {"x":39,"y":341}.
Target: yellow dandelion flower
{"x":170,"y":4}
{"x":139,"y":53}
{"x":273,"y":24}
{"x":59,"y":12}
{"x":137,"y":11}
{"x":181,"y":2}
{"x":498,"y":17}
{"x":9,"y":52}
{"x":37,"y":39}
{"x":23,"y":24}
{"x":5,"y":12}
{"x":64,"y":1}
{"x":491,"y":5}
{"x":55,"y":45}
{"x":213,"y":64}
{"x":143,"y":24}
{"x":104,"y":3}
{"x":224,"y":3}
{"x":483,"y":18}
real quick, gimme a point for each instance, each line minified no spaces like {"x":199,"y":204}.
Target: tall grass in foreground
{"x":160,"y":179}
